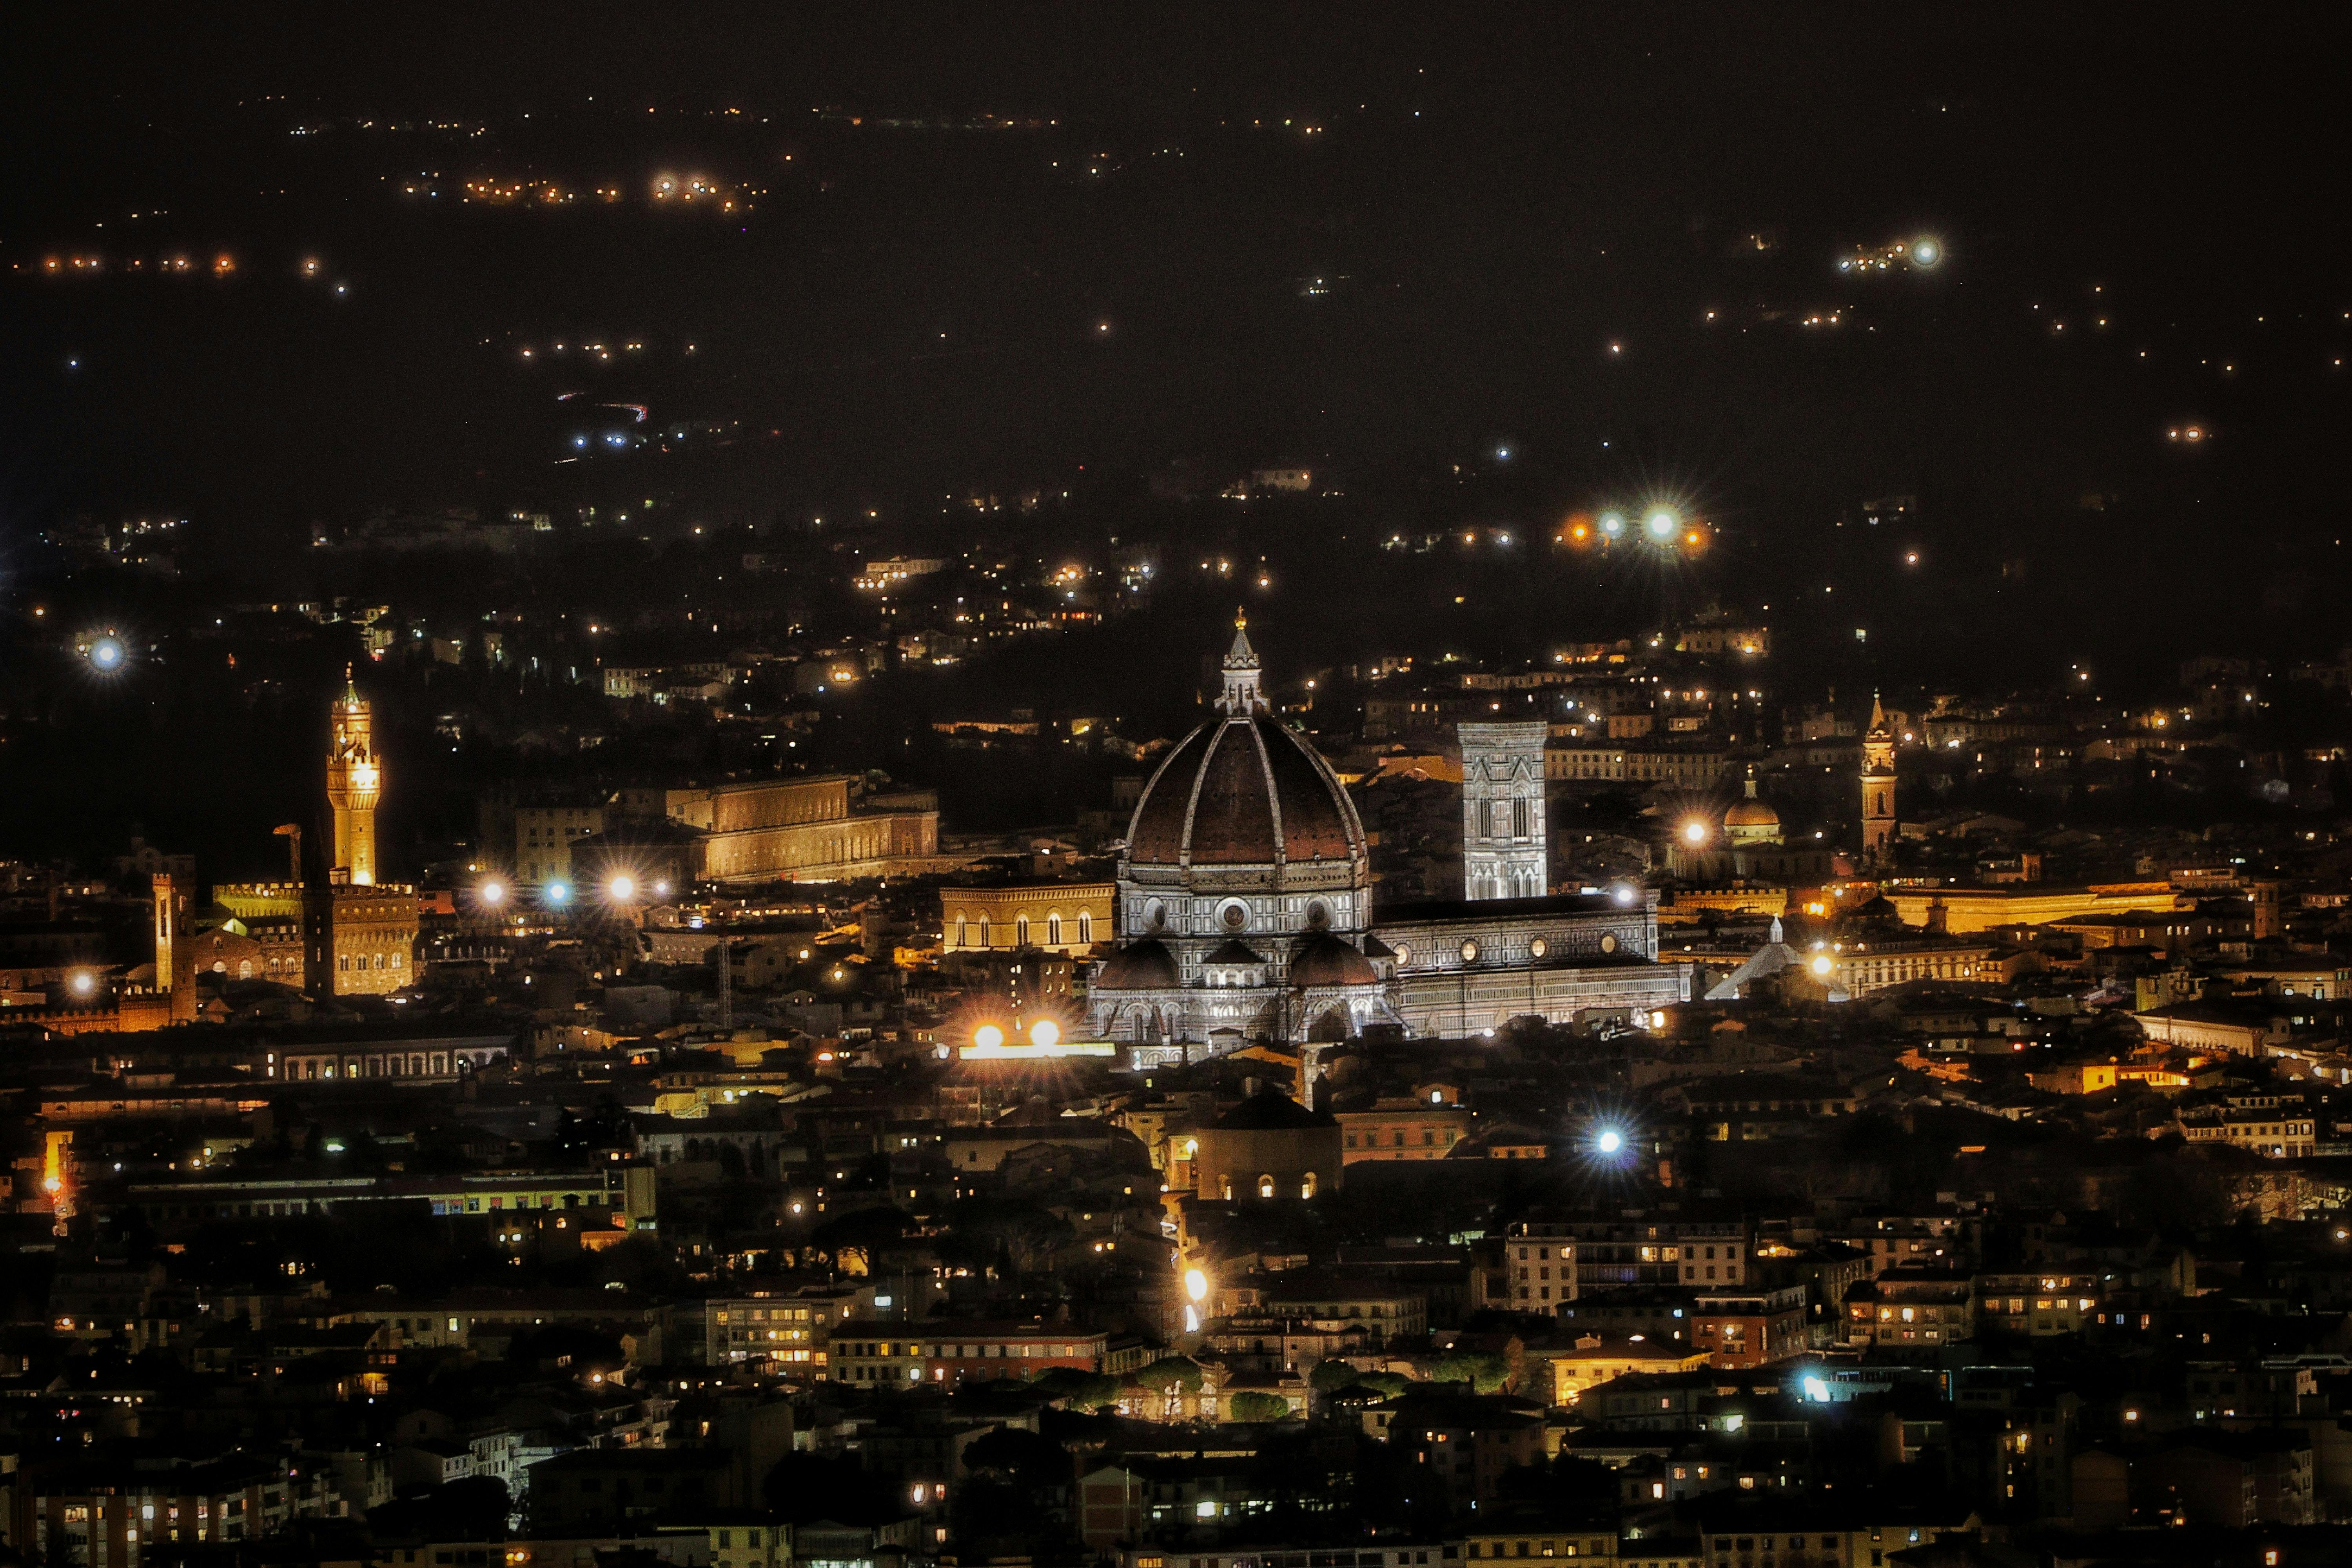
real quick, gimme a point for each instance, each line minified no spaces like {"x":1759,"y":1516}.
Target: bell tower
{"x":1505,"y":845}
{"x":1878,"y":785}
{"x":354,"y":782}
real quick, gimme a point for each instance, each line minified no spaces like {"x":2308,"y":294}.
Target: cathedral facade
{"x":1245,"y":909}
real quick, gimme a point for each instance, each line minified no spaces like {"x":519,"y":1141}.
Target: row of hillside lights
{"x":621,"y":889}
{"x":1043,"y":1033}
{"x":1660,"y":527}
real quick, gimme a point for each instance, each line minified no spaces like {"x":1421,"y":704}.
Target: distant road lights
{"x":1926,"y":251}
{"x":988,"y":1037}
{"x":108,"y":655}
{"x":1612,"y":525}
{"x":557,"y":894}
{"x":1045,"y":1033}
{"x":1661,"y":524}
{"x":661,"y":890}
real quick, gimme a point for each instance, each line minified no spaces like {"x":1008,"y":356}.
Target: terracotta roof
{"x":1143,"y":967}
{"x":1242,"y":790}
{"x":1325,"y":960}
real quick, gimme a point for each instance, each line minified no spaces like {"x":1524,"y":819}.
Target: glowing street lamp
{"x":108,"y":655}
{"x":988,"y":1037}
{"x":1694,"y":833}
{"x":1612,"y":524}
{"x":622,"y":887}
{"x":557,"y":894}
{"x":1045,"y":1033}
{"x":1608,"y":1141}
{"x":1196,"y":1285}
{"x":1661,"y":524}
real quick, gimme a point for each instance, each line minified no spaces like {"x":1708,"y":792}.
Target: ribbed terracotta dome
{"x":1242,"y":790}
{"x":1750,"y":813}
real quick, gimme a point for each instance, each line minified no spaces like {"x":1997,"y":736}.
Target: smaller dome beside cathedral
{"x":1751,"y":820}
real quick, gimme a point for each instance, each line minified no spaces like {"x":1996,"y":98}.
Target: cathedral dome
{"x":1751,"y":813}
{"x":1242,"y":790}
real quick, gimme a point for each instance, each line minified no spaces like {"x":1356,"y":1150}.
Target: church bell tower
{"x":1878,"y":785}
{"x":354,"y":782}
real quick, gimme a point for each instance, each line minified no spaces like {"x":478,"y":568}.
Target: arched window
{"x":983,"y":931}
{"x":1265,"y":1186}
{"x":1307,"y":1186}
{"x":245,"y":969}
{"x":959,"y":931}
{"x":1053,"y":930}
{"x":1021,"y":931}
{"x":1087,"y":927}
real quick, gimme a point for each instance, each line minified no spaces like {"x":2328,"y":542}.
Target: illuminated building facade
{"x":1060,"y":917}
{"x":1503,"y":833}
{"x":1245,"y":908}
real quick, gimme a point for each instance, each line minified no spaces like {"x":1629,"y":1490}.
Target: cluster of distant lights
{"x":179,"y":264}
{"x":1660,"y":527}
{"x":619,"y":889}
{"x":1924,"y":252}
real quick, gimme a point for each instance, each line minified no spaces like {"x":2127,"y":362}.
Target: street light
{"x":1610,"y":1140}
{"x":492,"y":894}
{"x":622,"y":887}
{"x":1694,"y":832}
{"x":558,"y":893}
{"x":1045,"y":1032}
{"x":988,"y":1037}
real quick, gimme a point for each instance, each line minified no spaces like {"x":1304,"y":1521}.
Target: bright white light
{"x":1625,"y":895}
{"x":1817,"y":1391}
{"x":623,"y":886}
{"x":1045,"y":1032}
{"x":1660,"y":524}
{"x":1609,"y":1141}
{"x":107,"y":654}
{"x":1821,"y":964}
{"x":84,"y":983}
{"x":1612,"y":523}
{"x":988,"y":1037}
{"x":557,"y":892}
{"x":1926,"y":252}
{"x":1695,"y":833}
{"x":1196,"y":1284}
{"x":491,"y":893}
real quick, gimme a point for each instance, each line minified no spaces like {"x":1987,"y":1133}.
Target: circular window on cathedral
{"x":1469,"y":951}
{"x":1236,"y":915}
{"x":1404,"y":954}
{"x":1155,"y":914}
{"x":1607,"y":941}
{"x":1318,"y":916}
{"x":1538,"y":947}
